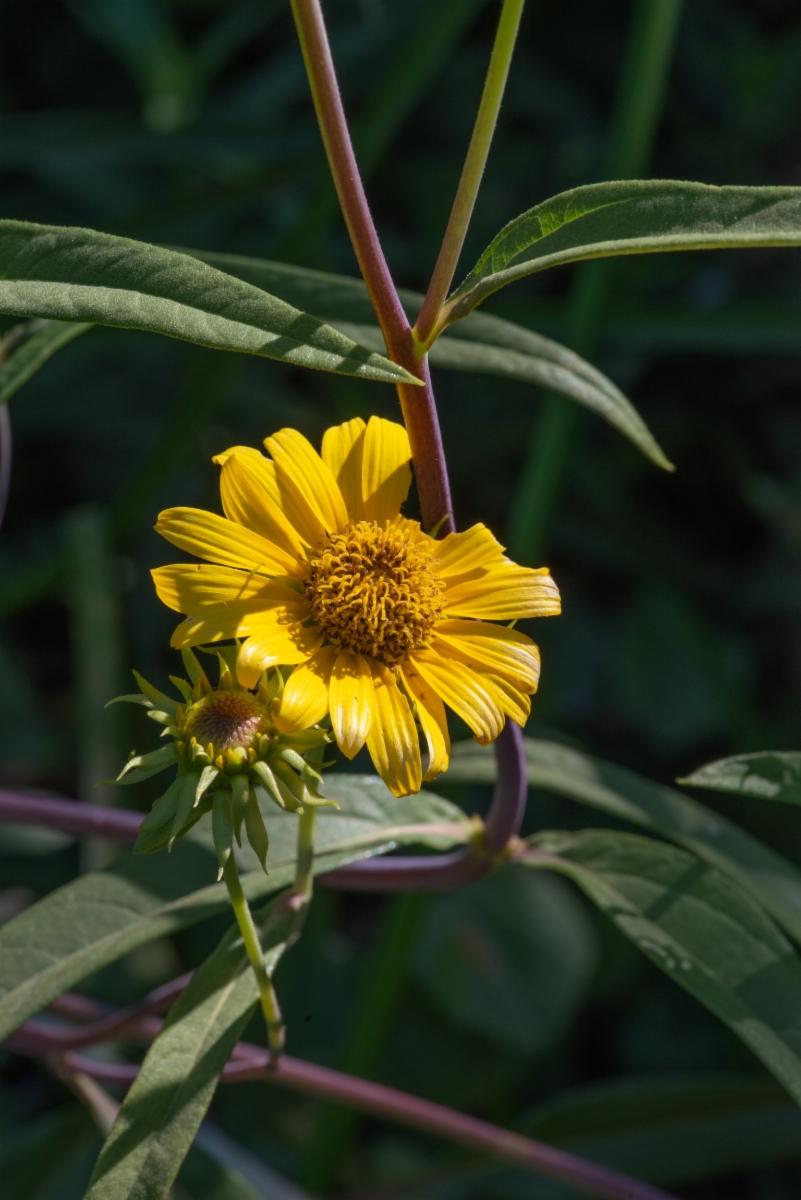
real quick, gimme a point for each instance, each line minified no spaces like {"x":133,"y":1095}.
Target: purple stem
{"x":249,"y":1062}
{"x":398,"y":874}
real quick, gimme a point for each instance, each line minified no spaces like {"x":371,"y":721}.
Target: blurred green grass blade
{"x":377,"y":1001}
{"x":141,"y":34}
{"x":32,"y":353}
{"x":672,"y":1130}
{"x":97,"y":648}
{"x":645,"y":216}
{"x":37,"y":1154}
{"x":766,"y":774}
{"x":219,"y":1167}
{"x":700,"y":928}
{"x":409,"y":73}
{"x":638,"y":106}
{"x":72,"y":274}
{"x":483,"y":344}
{"x":45,"y":950}
{"x":774,"y":882}
{"x":161,"y":1114}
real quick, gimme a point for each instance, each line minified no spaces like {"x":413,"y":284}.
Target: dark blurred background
{"x":188,"y":123}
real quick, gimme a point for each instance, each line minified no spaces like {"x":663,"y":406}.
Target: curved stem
{"x":426,"y":329}
{"x":508,"y":805}
{"x":250,"y":936}
{"x":251,"y":1062}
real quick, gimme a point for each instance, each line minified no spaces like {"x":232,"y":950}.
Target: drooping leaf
{"x":768,"y":774}
{"x":672,"y":1129}
{"x":34,"y":352}
{"x":482,"y":344}
{"x":773,"y":881}
{"x":161,"y":1113}
{"x":485,"y":954}
{"x":698,"y":927}
{"x":98,"y":918}
{"x":79,"y":275}
{"x":637,"y":216}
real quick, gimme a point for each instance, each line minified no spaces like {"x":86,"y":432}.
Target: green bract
{"x":230,"y":757}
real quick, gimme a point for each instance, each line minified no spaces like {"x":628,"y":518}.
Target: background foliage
{"x":189,"y":124}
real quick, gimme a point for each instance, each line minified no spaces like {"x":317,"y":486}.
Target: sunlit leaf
{"x":485,"y":951}
{"x":773,"y":881}
{"x":697,"y":926}
{"x":161,"y":1113}
{"x":648,"y":216}
{"x":98,"y":918}
{"x":79,"y":275}
{"x":482,"y":344}
{"x":768,"y":774}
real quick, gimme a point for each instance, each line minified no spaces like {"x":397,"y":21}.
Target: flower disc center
{"x":227,"y":719}
{"x":373,"y":591}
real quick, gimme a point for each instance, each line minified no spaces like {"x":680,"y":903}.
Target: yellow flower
{"x":315,"y":567}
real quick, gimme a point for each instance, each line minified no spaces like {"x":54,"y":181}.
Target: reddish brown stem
{"x":417,"y":403}
{"x":250,"y":1062}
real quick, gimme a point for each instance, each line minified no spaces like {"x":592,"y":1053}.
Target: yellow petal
{"x":306,"y":480}
{"x":294,"y":508}
{"x":493,"y":648}
{"x":511,"y":700}
{"x":221,"y":541}
{"x":246,"y":492}
{"x":305,"y":698}
{"x":505,"y":594}
{"x":393,"y":741}
{"x":432,"y":718}
{"x":351,"y":701}
{"x":282,"y":646}
{"x":220,"y":622}
{"x":343,"y":446}
{"x":386,"y":475}
{"x":463,"y":690}
{"x":464,"y":553}
{"x":187,"y":587}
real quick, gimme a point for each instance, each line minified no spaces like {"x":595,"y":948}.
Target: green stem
{"x":304,"y":878}
{"x":250,"y":936}
{"x":426,"y":329}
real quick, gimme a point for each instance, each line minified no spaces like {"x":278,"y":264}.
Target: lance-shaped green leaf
{"x":162,"y":1112}
{"x":768,"y":774}
{"x":773,"y":881}
{"x":674,"y":1128}
{"x":648,"y":216}
{"x":41,"y":341}
{"x":482,"y":344}
{"x":79,"y":275}
{"x":698,"y":927}
{"x":99,"y":918}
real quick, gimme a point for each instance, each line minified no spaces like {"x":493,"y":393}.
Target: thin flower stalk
{"x":250,"y":936}
{"x":428,"y":325}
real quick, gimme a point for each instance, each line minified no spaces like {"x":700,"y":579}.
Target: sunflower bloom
{"x":313,"y":566}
